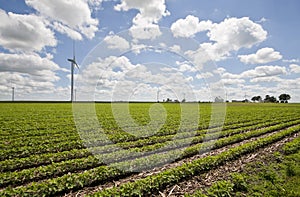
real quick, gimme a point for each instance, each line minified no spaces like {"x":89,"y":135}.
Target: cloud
{"x":39,"y":68}
{"x":145,"y":22}
{"x":33,"y":77}
{"x":262,"y":56}
{"x":185,"y":67}
{"x":70,"y":14}
{"x":66,"y":30}
{"x":233,"y":81}
{"x":292,"y":61}
{"x":260,"y":74}
{"x":266,"y":79}
{"x":189,"y":26}
{"x":137,"y":48}
{"x":257,"y":72}
{"x":291,"y":84}
{"x":152,"y":10}
{"x":220,"y":70}
{"x":230,"y":76}
{"x":175,"y":48}
{"x":264,"y":71}
{"x":229,"y":35}
{"x":116,"y":42}
{"x":233,"y":34}
{"x":294,"y":68}
{"x":262,"y":20}
{"x":204,"y":75}
{"x":28,"y":88}
{"x":118,"y":73}
{"x":24,"y":32}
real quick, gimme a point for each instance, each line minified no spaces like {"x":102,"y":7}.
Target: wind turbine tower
{"x":157,"y":95}
{"x":13,"y":93}
{"x":73,"y":64}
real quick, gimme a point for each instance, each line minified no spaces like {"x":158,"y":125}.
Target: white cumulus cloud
{"x":235,"y":33}
{"x":116,"y":42}
{"x":294,"y":68}
{"x":189,"y":26}
{"x":41,"y":69}
{"x":32,"y":76}
{"x":24,"y":32}
{"x":264,"y":71}
{"x":266,"y":79}
{"x":74,"y":14}
{"x":262,"y":56}
{"x":145,"y":22}
{"x":232,"y":34}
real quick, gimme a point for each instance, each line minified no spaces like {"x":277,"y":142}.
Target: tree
{"x":256,"y":98}
{"x":284,"y":98}
{"x":169,"y":100}
{"x":270,"y":99}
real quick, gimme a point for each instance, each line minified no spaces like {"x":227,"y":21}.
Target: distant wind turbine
{"x":73,"y":64}
{"x":13,"y":93}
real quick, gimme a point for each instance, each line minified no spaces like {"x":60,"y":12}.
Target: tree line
{"x":283,"y":98}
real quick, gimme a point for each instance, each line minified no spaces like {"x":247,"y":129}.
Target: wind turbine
{"x":13,"y":93}
{"x":73,"y":64}
{"x":157,"y":95}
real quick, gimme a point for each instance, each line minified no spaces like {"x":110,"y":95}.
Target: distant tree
{"x":284,"y":98}
{"x":256,"y":98}
{"x":183,"y":100}
{"x":168,"y":100}
{"x":270,"y":99}
{"x":259,"y":99}
{"x":273,"y":99}
{"x":219,"y":99}
{"x":267,"y":98}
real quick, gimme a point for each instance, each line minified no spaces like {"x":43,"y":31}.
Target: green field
{"x":43,"y":154}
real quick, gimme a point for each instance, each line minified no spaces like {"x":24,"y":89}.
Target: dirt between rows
{"x":196,"y":182}
{"x":224,"y":171}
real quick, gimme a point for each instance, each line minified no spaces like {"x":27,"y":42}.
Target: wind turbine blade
{"x":73,"y":62}
{"x":74,"y":50}
{"x":76,"y":65}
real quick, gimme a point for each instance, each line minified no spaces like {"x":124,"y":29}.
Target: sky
{"x":149,"y":50}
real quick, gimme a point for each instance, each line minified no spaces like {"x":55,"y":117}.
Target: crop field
{"x":44,"y":154}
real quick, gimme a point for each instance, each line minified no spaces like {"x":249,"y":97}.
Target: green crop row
{"x":58,"y":138}
{"x":56,"y":169}
{"x":12,"y":142}
{"x":29,"y":150}
{"x":24,"y":151}
{"x":36,"y":160}
{"x":152,"y":184}
{"x":42,"y":159}
{"x":78,"y":180}
{"x":292,"y":147}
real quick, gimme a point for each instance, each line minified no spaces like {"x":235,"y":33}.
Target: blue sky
{"x":131,"y":49}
